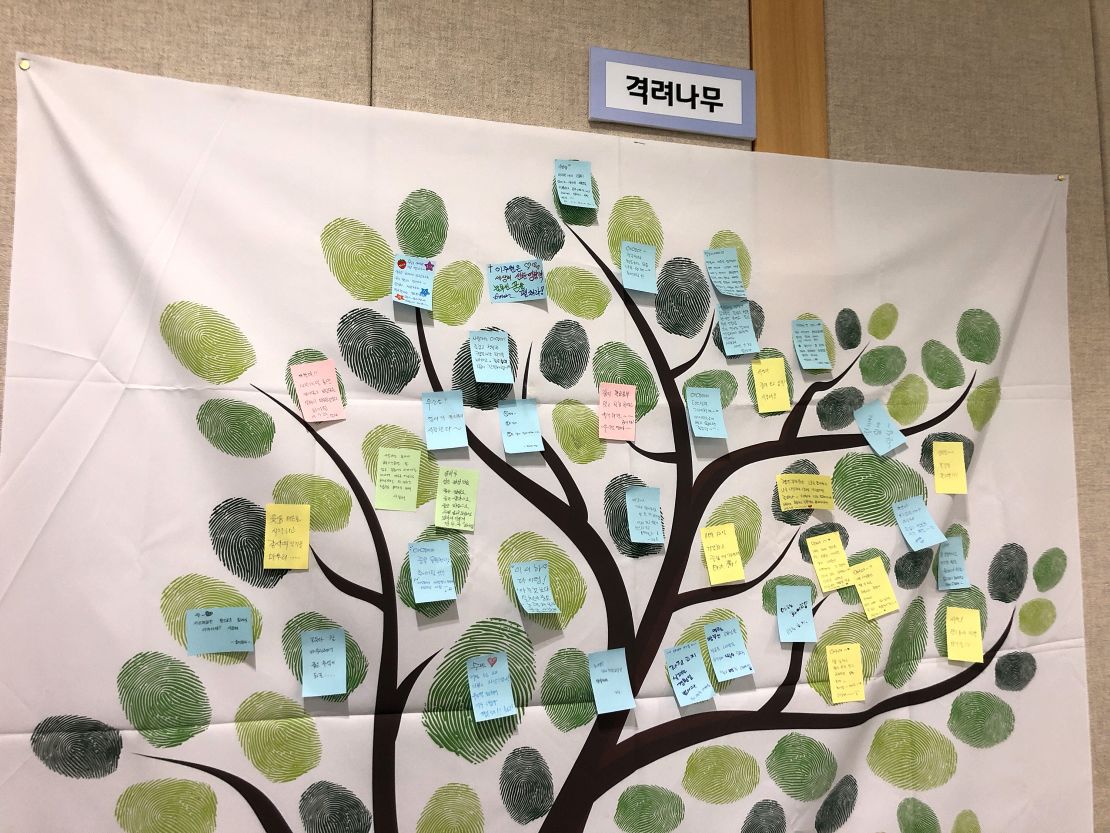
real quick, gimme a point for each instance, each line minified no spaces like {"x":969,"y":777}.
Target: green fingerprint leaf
{"x":945,"y":437}
{"x":481,"y":395}
{"x":910,"y":569}
{"x":766,"y":816}
{"x":803,"y":768}
{"x":206,"y":343}
{"x":394,"y":436}
{"x":236,"y":428}
{"x":817,"y":530}
{"x":1014,"y":671}
{"x":848,"y":329}
{"x":422,"y":224}
{"x":695,"y":633}
{"x":1049,"y":569}
{"x":459,"y":550}
{"x":448,"y":716}
{"x":456,"y":292}
{"x":326,"y":807}
{"x":616,"y":362}
{"x":979,"y":719}
{"x":277,"y":736}
{"x":978,"y":336}
{"x":983,"y":402}
{"x":1008,"y":572}
{"x":291,"y":648}
{"x":907,"y":647}
{"x":526,"y":787}
{"x":758,"y":320}
{"x":941,"y":365}
{"x":837,"y":409}
{"x":969,"y":597}
{"x":568,"y":588}
{"x":683,"y":297}
{"x":916,"y":817}
{"x":882,"y":365}
{"x":770,"y":590}
{"x":724,"y":381}
{"x":193,"y":591}
{"x":853,"y":627}
{"x":576,"y":429}
{"x":304,"y":356}
{"x":849,"y":595}
{"x":566,"y":692}
{"x":837,"y":806}
{"x":359,"y":258}
{"x":453,"y":808}
{"x":770,"y":353}
{"x":377,"y":350}
{"x":794,"y":517}
{"x":726,"y":239}
{"x":577,"y":215}
{"x":720,"y":774}
{"x":163,"y":699}
{"x":76,"y":746}
{"x":533,"y":228}
{"x":743,"y":513}
{"x":911,"y":755}
{"x":168,"y":805}
{"x":633,"y":219}
{"x":865,"y":486}
{"x":1036,"y":616}
{"x":908,"y":399}
{"x":616,"y":517}
{"x":565,"y":353}
{"x":644,"y":808}
{"x":237,"y":529}
{"x":830,"y":342}
{"x":966,"y":822}
{"x":578,"y":291}
{"x":954,"y":530}
{"x":883,"y":321}
{"x":330,"y":502}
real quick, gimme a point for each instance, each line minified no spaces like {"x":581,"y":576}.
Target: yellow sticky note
{"x":845,"y":664}
{"x":457,"y":499}
{"x":804,"y":491}
{"x":965,"y":634}
{"x":830,"y":561}
{"x":949,"y":472}
{"x":873,"y":585}
{"x":285,"y":545}
{"x":397,"y":479}
{"x":772,"y":394}
{"x":722,"y":554}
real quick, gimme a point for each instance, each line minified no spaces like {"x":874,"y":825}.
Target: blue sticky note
{"x":520,"y":425}
{"x":219,"y":630}
{"x":430,"y":569}
{"x":727,"y":652}
{"x":645,"y":520}
{"x":323,"y":662}
{"x":491,"y":690}
{"x":917,"y":525}
{"x":688,"y":676}
{"x":574,"y":183}
{"x":532,"y":583}
{"x":952,"y":571}
{"x":794,"y":605}
{"x":412,"y":281}
{"x":638,"y":267}
{"x":517,"y":280}
{"x":878,"y":428}
{"x":444,"y":420}
{"x":723,"y":266}
{"x":489,"y":356}
{"x":704,"y":408}
{"x":609,"y":679}
{"x":809,"y":344}
{"x":737,"y":330}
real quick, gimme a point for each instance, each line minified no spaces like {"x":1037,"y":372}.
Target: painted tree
{"x":165,"y":701}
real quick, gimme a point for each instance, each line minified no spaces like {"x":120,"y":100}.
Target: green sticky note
{"x":457,"y":499}
{"x":397,"y":479}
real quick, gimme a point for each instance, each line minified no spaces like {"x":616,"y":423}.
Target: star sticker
{"x":429,"y":266}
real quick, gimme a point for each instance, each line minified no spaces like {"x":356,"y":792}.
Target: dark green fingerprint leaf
{"x":76,"y":746}
{"x":907,"y":647}
{"x":726,"y":239}
{"x":883,"y":321}
{"x":575,"y":215}
{"x":770,"y":590}
{"x":616,"y":362}
{"x":326,"y":807}
{"x":865,"y":486}
{"x":459,"y":551}
{"x":616,"y":517}
{"x":237,"y":529}
{"x":743,"y":513}
{"x":359,"y":258}
{"x":882,"y":365}
{"x":633,"y":219}
{"x":291,"y":648}
{"x":794,"y":517}
{"x":838,"y":805}
{"x":1013,"y":672}
{"x":394,"y":436}
{"x":578,"y":291}
{"x":770,"y":353}
{"x":1036,"y":617}
{"x":304,"y":356}
{"x":277,"y":736}
{"x":969,"y":597}
{"x":566,"y":693}
{"x":758,"y":320}
{"x":683,"y":297}
{"x":645,"y":808}
{"x":236,"y":428}
{"x":206,"y":343}
{"x":168,"y":805}
{"x":533,"y":228}
{"x":1049,"y":569}
{"x":849,"y":595}
{"x":941,"y":365}
{"x":848,"y":329}
{"x":568,"y":588}
{"x":720,"y":774}
{"x":954,"y":530}
{"x":983,"y":402}
{"x":978,"y":336}
{"x":481,"y":395}
{"x":576,"y":429}
{"x":526,"y":787}
{"x":1007,"y":574}
{"x":766,"y":816}
{"x":910,"y":570}
{"x":456,"y":292}
{"x":911,"y":755}
{"x":915,"y":816}
{"x":852,"y":627}
{"x":817,"y":530}
{"x":695,"y":633}
{"x":163,"y":699}
{"x":330,"y":502}
{"x":837,"y":409}
{"x":565,"y":353}
{"x":422,"y":224}
{"x":377,"y":350}
{"x":945,"y":437}
{"x":724,"y":381}
{"x":193,"y":591}
{"x":803,"y":768}
{"x":908,"y":399}
{"x":980,"y":720}
{"x":453,"y":808}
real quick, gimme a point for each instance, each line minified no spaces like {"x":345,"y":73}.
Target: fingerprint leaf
{"x":277,"y":736}
{"x":377,"y":350}
{"x":481,"y":395}
{"x":578,"y":291}
{"x":644,"y":808}
{"x":163,"y":699}
{"x":76,"y":746}
{"x":770,"y":590}
{"x":291,"y":648}
{"x":907,"y":647}
{"x":803,"y":768}
{"x":830,"y":342}
{"x":1007,"y":574}
{"x":207,"y":343}
{"x":866,"y":485}
{"x":568,"y":588}
{"x":394,"y":436}
{"x":817,"y":530}
{"x":168,"y":805}
{"x":758,"y":320}
{"x":566,"y":692}
{"x":527,"y":790}
{"x":193,"y":591}
{"x":766,"y":816}
{"x":330,"y":502}
{"x":969,"y":597}
{"x":236,"y":428}
{"x":837,"y":806}
{"x":978,"y":336}
{"x":304,"y":356}
{"x":770,"y":353}
{"x":910,"y":569}
{"x":453,"y":808}
{"x":577,"y":215}
{"x":724,"y":381}
{"x":983,"y":402}
{"x":720,"y":774}
{"x":422,"y":224}
{"x":633,"y":219}
{"x":837,"y":409}
{"x":1049,"y":569}
{"x":908,"y":399}
{"x":359,"y":258}
{"x":794,"y":517}
{"x":1015,"y":671}
{"x":743,"y":513}
{"x":237,"y":530}
{"x":726,"y":239}
{"x":848,"y":329}
{"x":1036,"y":617}
{"x":683,"y":297}
{"x":695,"y":633}
{"x":576,"y":429}
{"x":616,"y":362}
{"x":966,"y":822}
{"x":456,"y":292}
{"x":911,"y":755}
{"x":882,"y":365}
{"x":326,"y":807}
{"x":616,"y":517}
{"x":883,"y":321}
{"x":945,"y":437}
{"x":980,"y":719}
{"x":565,"y":353}
{"x":849,"y":595}
{"x":459,"y":552}
{"x":941,"y":365}
{"x":533,"y":228}
{"x":916,"y":816}
{"x":852,"y":627}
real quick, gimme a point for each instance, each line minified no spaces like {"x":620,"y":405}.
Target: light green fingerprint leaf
{"x":565,"y":353}
{"x":576,"y":429}
{"x":915,"y":816}
{"x":422,"y":224}
{"x":770,"y":353}
{"x":803,"y":768}
{"x":206,"y":342}
{"x":695,"y":633}
{"x":837,"y":409}
{"x":330,"y":502}
{"x":849,"y":333}
{"x":568,"y":588}
{"x":277,"y":736}
{"x":304,"y":356}
{"x":459,"y":551}
{"x":1049,"y":569}
{"x":193,"y":591}
{"x":983,"y":402}
{"x":236,"y":428}
{"x":237,"y":530}
{"x":578,"y":291}
{"x":163,"y":699}
{"x":533,"y":228}
{"x":683,"y":298}
{"x":326,"y":807}
{"x":616,"y":362}
{"x":168,"y":805}
{"x":456,"y":292}
{"x":743,"y":513}
{"x":577,"y":215}
{"x":481,"y":395}
{"x":726,"y":239}
{"x":980,"y":720}
{"x":720,"y":774}
{"x":770,"y":590}
{"x":969,"y":597}
{"x":837,"y":806}
{"x":76,"y":746}
{"x":908,"y":399}
{"x":377,"y":350}
{"x":882,"y":365}
{"x":312,"y":621}
{"x":566,"y":692}
{"x":527,"y":790}
{"x":978,"y":336}
{"x":907,"y":647}
{"x":865,"y":486}
{"x":1036,"y":616}
{"x":883,"y":321}
{"x":966,"y":822}
{"x":645,"y":808}
{"x":911,"y":755}
{"x":633,"y":219}
{"x":359,"y":258}
{"x":724,"y":381}
{"x":394,"y":436}
{"x":453,"y":808}
{"x":853,"y":627}
{"x":941,"y":365}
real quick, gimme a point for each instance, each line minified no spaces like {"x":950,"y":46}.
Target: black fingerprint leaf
{"x":533,"y":228}
{"x":576,"y":215}
{"x":377,"y":350}
{"x":917,"y":817}
{"x":616,"y":517}
{"x":848,"y":329}
{"x":794,"y":517}
{"x":304,"y":356}
{"x":236,"y":428}
{"x":644,"y":808}
{"x":910,"y":570}
{"x":237,"y":529}
{"x":837,"y":806}
{"x":766,"y":816}
{"x":77,"y":747}
{"x":481,"y":395}
{"x":837,"y":408}
{"x":331,"y":808}
{"x":980,"y":719}
{"x":566,"y":692}
{"x":882,"y":365}
{"x":683,"y":297}
{"x":167,"y":805}
{"x":163,"y":699}
{"x":1015,"y":671}
{"x":978,"y":336}
{"x":758,"y":320}
{"x":944,"y":437}
{"x":206,"y":342}
{"x":526,"y":787}
{"x":422,"y":224}
{"x":907,"y":646}
{"x":1049,"y":569}
{"x":1007,"y":574}
{"x":818,"y":530}
{"x":565,"y":353}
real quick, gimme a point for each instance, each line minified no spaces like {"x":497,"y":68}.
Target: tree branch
{"x":659,"y":456}
{"x":686,"y":365}
{"x":724,"y":591}
{"x":793,"y":422}
{"x":405,"y":688}
{"x":355,"y":591}
{"x":785,"y":691}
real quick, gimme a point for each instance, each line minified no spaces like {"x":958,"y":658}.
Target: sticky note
{"x":489,"y":357}
{"x":491,"y":689}
{"x":616,"y":411}
{"x":219,"y":630}
{"x":727,"y":652}
{"x":804,"y":491}
{"x":317,"y":389}
{"x":574,"y":183}
{"x":874,"y":588}
{"x":737,"y":329}
{"x":396,"y":479}
{"x":412,"y":281}
{"x":286,"y":537}
{"x":809,"y":344}
{"x":517,"y":280}
{"x":444,"y":420}
{"x":688,"y":676}
{"x":532,"y":583}
{"x":830,"y":561}
{"x":723,"y":266}
{"x":949,"y":471}
{"x":638,"y":267}
{"x":430,"y":568}
{"x":917,"y":525}
{"x":457,"y":498}
{"x":703,"y":406}
{"x":878,"y":428}
{"x":645,"y":520}
{"x":794,"y":605}
{"x":323,"y":662}
{"x":722,"y":553}
{"x":609,"y":679}
{"x":772,"y":394}
{"x":964,"y":634}
{"x":520,"y":425}
{"x":951,"y":569}
{"x":845,"y":664}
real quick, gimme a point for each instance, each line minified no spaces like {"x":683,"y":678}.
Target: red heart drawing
{"x":492,"y":661}
{"x":401,"y":264}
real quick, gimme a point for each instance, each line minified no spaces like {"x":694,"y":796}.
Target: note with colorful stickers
{"x":794,"y":612}
{"x":444,"y":420}
{"x":845,"y":664}
{"x":704,"y":408}
{"x":949,"y":469}
{"x":727,"y":652}
{"x":688,"y":676}
{"x":433,"y":579}
{"x":809,"y":344}
{"x":574,"y":183}
{"x":532,"y":584}
{"x":917,"y":525}
{"x":517,"y":280}
{"x":772,"y":393}
{"x":951,"y":568}
{"x":874,"y":588}
{"x":964,"y":634}
{"x":520,"y":425}
{"x":323,"y":662}
{"x":609,"y":680}
{"x":638,"y":267}
{"x":880,"y":431}
{"x":318,"y":391}
{"x":829,"y":561}
{"x":645,"y":520}
{"x":723,"y":267}
{"x":737,"y":328}
{"x":457,"y":499}
{"x":804,"y":491}
{"x":491,"y":688}
{"x":412,"y":281}
{"x":397,"y":479}
{"x":219,"y":630}
{"x":489,"y":357}
{"x":285,"y":539}
{"x":722,"y":554}
{"x":616,"y":411}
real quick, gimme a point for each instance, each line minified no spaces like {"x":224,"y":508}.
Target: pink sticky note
{"x":318,"y":391}
{"x":616,"y":411}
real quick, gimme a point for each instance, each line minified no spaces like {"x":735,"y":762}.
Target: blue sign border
{"x":599,"y":112}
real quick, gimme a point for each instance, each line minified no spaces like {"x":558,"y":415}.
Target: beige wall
{"x":973,"y":84}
